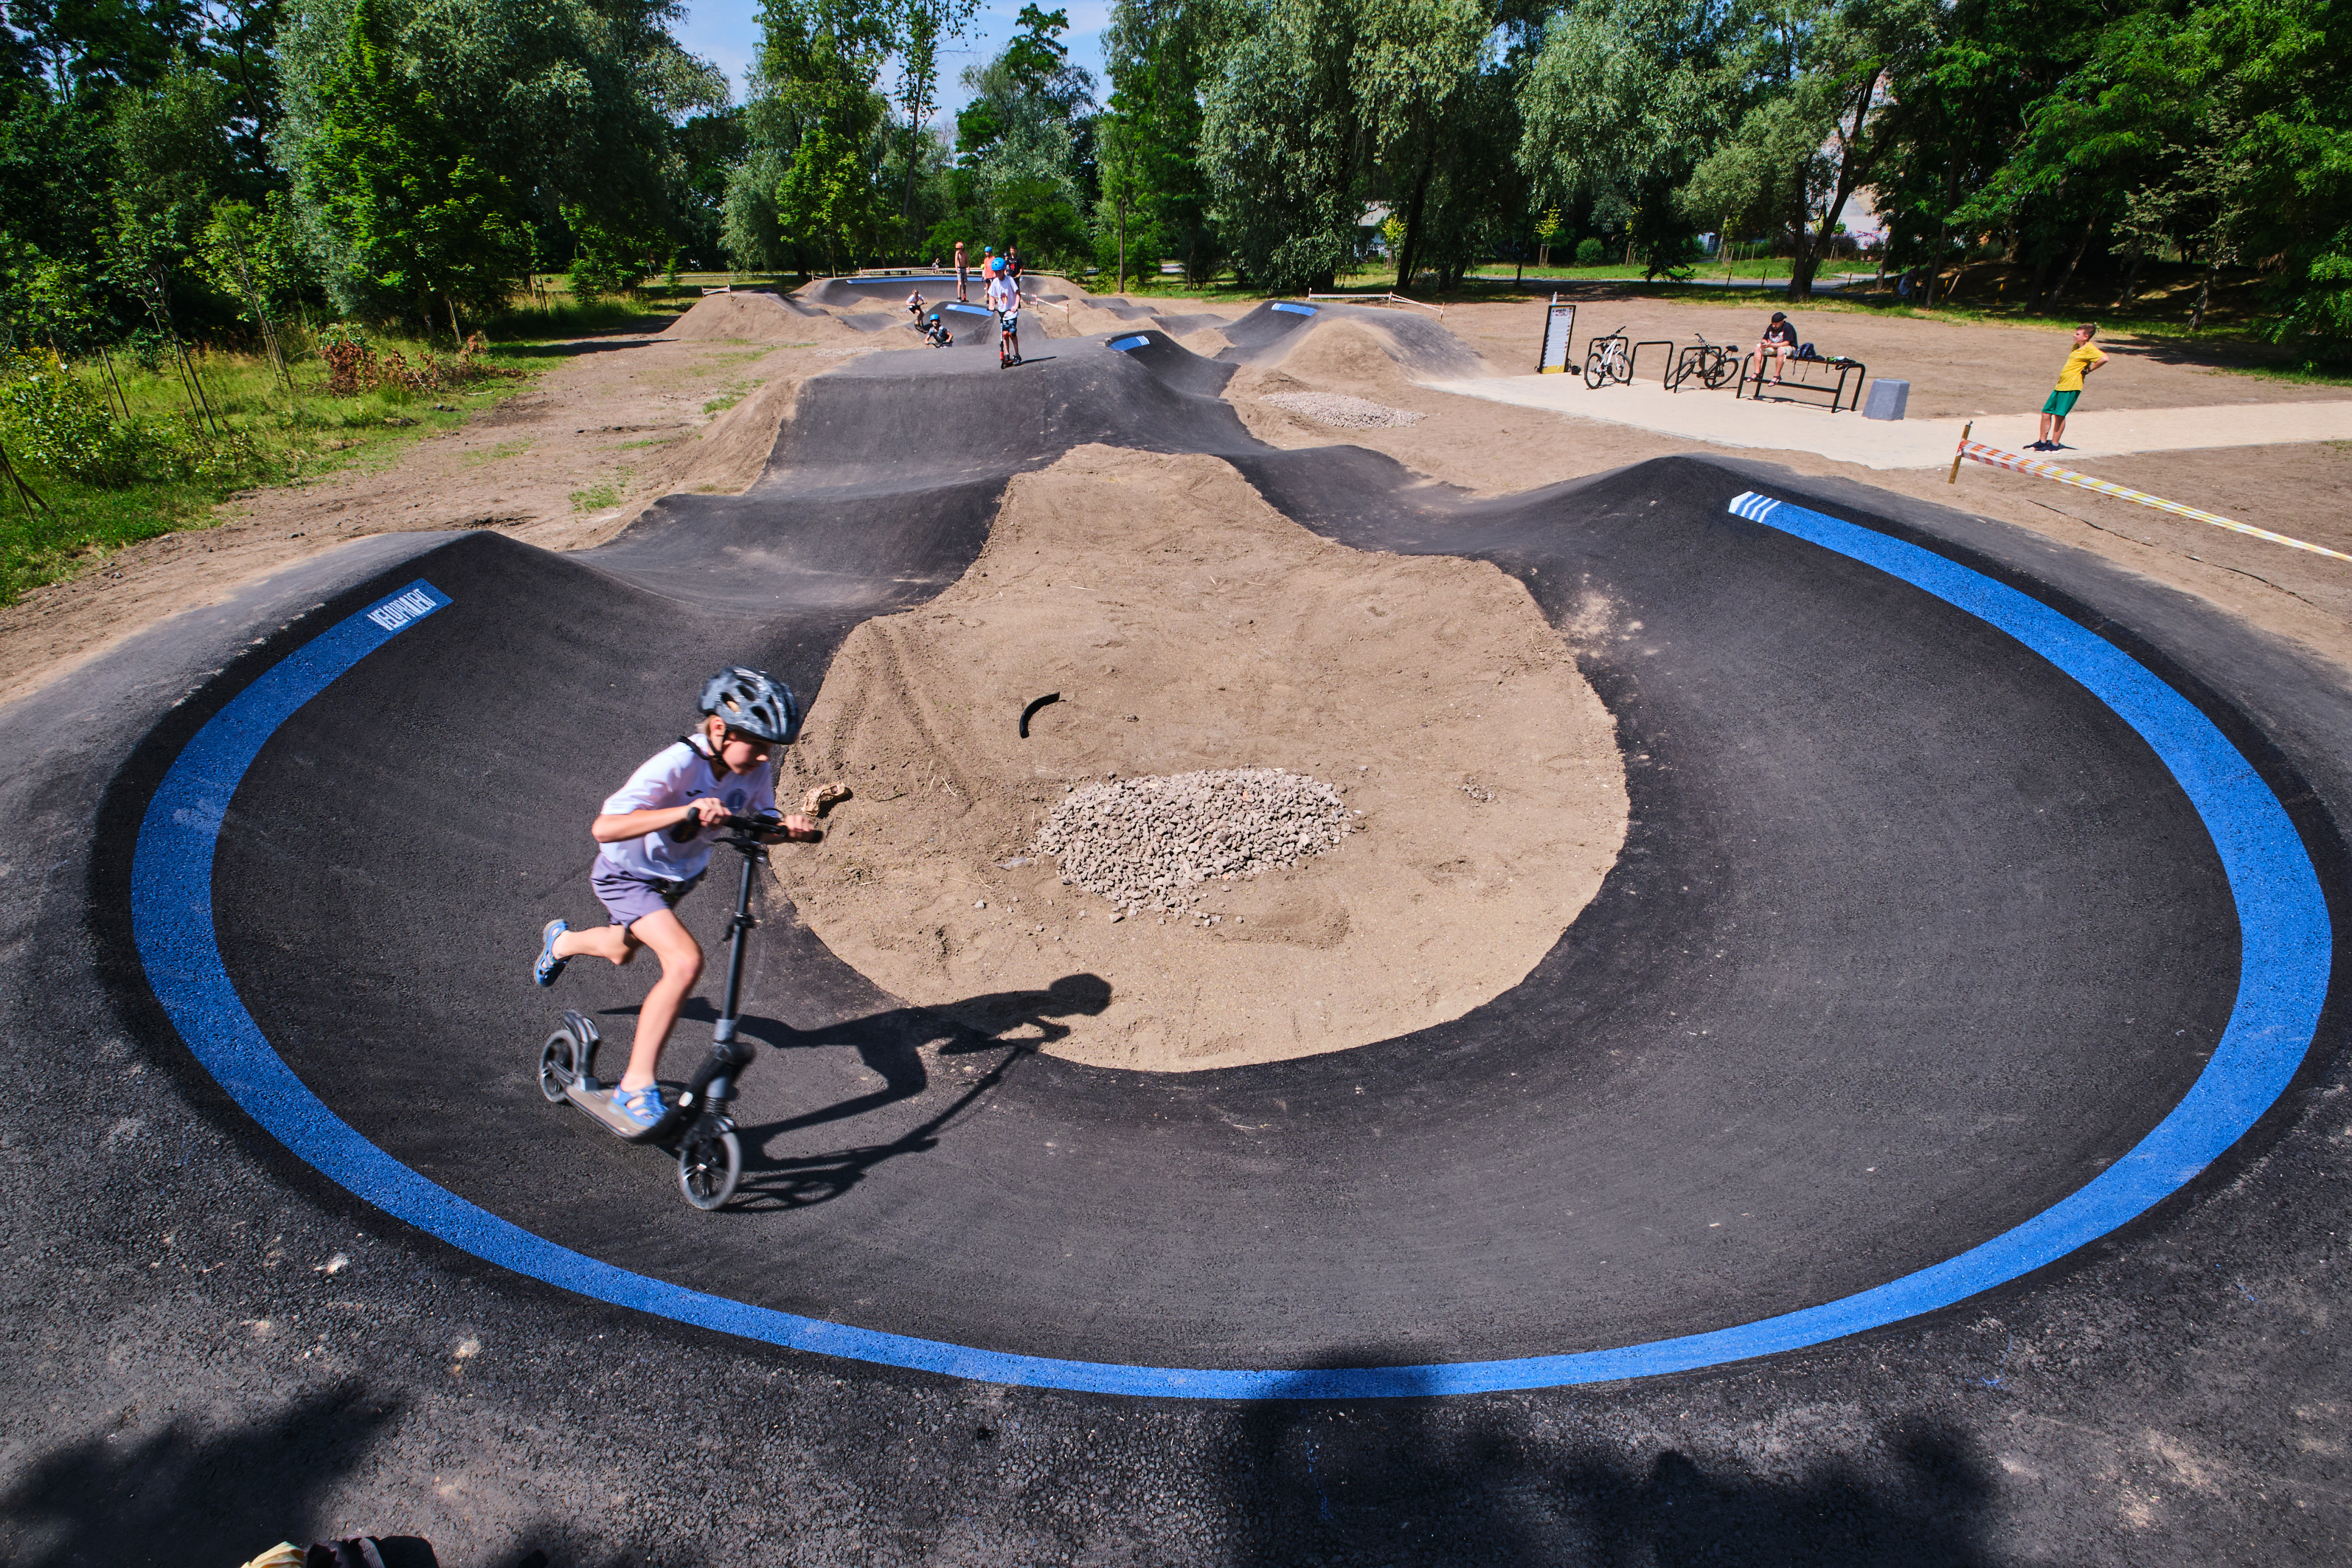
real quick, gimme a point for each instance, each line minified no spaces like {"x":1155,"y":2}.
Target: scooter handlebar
{"x":691,"y":825}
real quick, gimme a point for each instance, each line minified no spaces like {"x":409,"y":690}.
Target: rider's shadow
{"x":1005,"y":1025}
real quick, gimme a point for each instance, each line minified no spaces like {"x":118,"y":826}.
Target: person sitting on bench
{"x":1779,"y":342}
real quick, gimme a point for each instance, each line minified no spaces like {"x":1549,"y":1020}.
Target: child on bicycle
{"x":652,"y":852}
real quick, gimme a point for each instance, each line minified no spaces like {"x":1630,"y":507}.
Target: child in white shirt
{"x":652,"y":852}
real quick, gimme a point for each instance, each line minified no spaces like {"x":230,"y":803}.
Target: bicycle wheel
{"x":1720,"y":370}
{"x":1620,"y":368}
{"x":1596,"y":374}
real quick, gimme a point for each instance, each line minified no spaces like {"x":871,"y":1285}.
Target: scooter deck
{"x":598,"y":1103}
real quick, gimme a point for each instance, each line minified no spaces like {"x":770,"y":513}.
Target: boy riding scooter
{"x":1005,"y":299}
{"x":654,"y":849}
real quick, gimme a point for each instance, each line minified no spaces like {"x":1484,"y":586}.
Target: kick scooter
{"x":697,"y":1123}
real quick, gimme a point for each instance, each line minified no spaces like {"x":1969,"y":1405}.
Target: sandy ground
{"x":1187,"y":625}
{"x":1956,"y":371}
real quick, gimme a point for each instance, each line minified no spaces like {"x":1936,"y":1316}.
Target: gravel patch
{"x":1349,"y":413}
{"x":1146,"y":843}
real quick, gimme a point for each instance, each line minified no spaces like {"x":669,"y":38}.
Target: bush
{"x":55,"y":422}
{"x":353,"y":366}
{"x":1588,"y":252}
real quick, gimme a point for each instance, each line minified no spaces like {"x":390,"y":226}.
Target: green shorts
{"x":2061,"y":404}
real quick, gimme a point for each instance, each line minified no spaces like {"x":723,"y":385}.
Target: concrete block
{"x":1888,"y":398}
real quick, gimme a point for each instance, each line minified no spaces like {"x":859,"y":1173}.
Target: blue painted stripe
{"x":971,"y":309}
{"x":1297,"y":310}
{"x":2282,"y":981}
{"x":1124,"y":345}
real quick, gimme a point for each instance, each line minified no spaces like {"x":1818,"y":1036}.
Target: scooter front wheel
{"x":708,"y":1167}
{"x":559,"y":1065}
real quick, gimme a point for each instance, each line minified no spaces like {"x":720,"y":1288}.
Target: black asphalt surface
{"x":1910,"y":938}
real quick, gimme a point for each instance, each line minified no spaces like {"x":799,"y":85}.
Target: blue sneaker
{"x":548,"y":966}
{"x":642,"y":1106}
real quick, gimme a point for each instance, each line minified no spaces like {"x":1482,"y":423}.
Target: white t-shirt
{"x":1004,"y":294}
{"x":673,"y":776}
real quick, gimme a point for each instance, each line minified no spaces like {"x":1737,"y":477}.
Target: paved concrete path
{"x":1720,"y":419}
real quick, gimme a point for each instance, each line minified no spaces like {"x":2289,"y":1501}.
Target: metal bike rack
{"x":1633,"y":360}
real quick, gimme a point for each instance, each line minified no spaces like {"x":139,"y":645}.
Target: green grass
{"x":290,"y":438}
{"x":2300,"y":375}
{"x":596,"y":497}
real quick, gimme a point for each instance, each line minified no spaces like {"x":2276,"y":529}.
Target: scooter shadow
{"x":1008,"y":1024}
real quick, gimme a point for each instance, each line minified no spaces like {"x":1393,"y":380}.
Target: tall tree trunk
{"x":1800,"y":265}
{"x":2204,"y":292}
{"x":108,"y":359}
{"x":2131,"y":279}
{"x":2089,"y":225}
{"x":1408,"y":256}
{"x":1851,"y":166}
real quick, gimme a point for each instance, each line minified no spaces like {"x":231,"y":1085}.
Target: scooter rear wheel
{"x":708,"y":1167}
{"x":559,"y":1065}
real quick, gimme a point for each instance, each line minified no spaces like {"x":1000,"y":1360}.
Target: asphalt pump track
{"x":1974,"y":918}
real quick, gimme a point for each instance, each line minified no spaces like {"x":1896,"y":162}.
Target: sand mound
{"x":733,"y":449}
{"x":753,"y":317}
{"x":1087,"y":319}
{"x":1188,"y":627}
{"x":1349,"y":355}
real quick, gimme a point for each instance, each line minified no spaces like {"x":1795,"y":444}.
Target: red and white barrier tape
{"x":1993,"y":456}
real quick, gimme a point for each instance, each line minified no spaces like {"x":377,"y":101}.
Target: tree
{"x":172,"y":163}
{"x":254,"y":255}
{"x":922,"y":24}
{"x":821,"y":59}
{"x":1282,"y":145}
{"x":1621,"y":101}
{"x":415,"y":216}
{"x":564,"y":104}
{"x":1157,"y":54}
{"x":1025,"y":144}
{"x":1122,"y":212}
{"x":1414,"y":72}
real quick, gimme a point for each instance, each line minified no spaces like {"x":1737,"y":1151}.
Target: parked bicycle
{"x":1609,"y":358}
{"x":1712,"y":364}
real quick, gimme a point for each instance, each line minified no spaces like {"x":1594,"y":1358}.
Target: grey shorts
{"x":632,"y":899}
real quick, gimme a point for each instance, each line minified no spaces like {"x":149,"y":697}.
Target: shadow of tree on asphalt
{"x":1419,"y":1482}
{"x":179,"y":1495}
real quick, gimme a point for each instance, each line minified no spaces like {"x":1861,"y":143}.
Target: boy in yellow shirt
{"x":2080,"y":364}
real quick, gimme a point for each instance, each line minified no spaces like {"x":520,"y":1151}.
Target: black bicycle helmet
{"x":755,"y":702}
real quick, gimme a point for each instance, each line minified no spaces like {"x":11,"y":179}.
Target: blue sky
{"x":728,"y":31}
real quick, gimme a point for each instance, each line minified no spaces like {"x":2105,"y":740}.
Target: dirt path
{"x":617,"y":422}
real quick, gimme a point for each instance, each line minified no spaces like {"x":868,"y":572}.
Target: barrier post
{"x":1961,"y":453}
